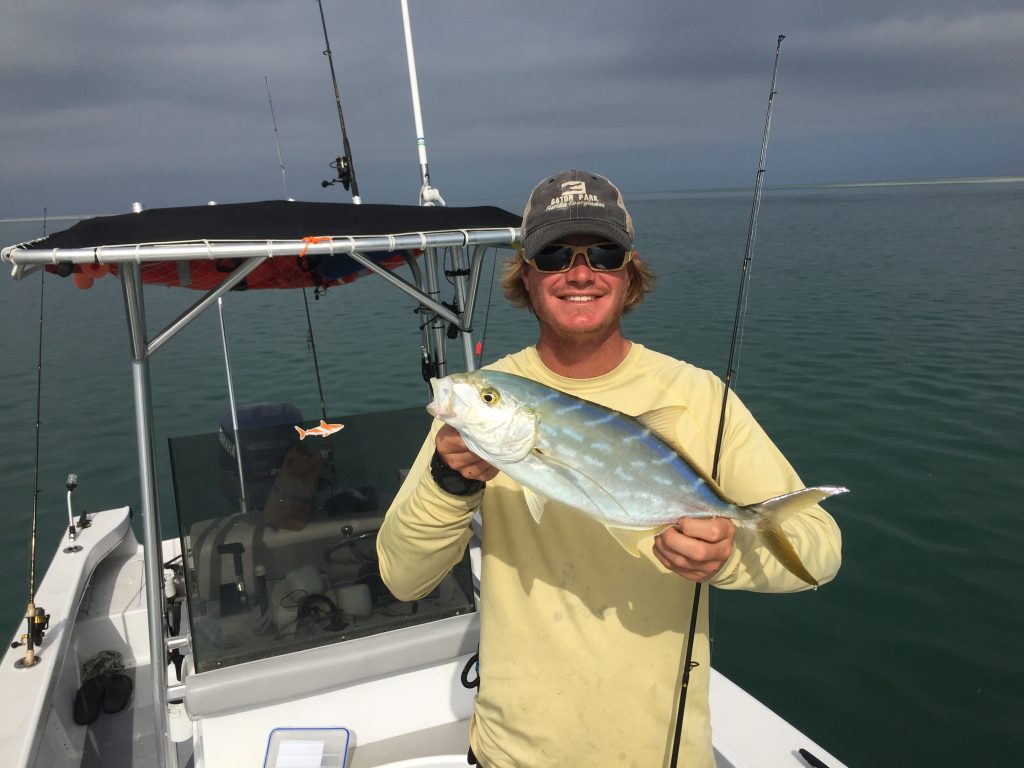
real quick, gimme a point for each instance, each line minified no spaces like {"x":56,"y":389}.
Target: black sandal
{"x":89,"y":701}
{"x":117,"y":692}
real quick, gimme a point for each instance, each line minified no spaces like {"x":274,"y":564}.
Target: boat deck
{"x":383,"y":712}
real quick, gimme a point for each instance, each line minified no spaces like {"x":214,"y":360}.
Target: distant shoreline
{"x":62,"y":217}
{"x":824,"y":185}
{"x":911,"y":182}
{"x":849,"y":185}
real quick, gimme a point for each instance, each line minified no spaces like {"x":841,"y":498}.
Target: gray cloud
{"x":108,"y":102}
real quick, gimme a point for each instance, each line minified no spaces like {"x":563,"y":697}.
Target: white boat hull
{"x":400,"y":718}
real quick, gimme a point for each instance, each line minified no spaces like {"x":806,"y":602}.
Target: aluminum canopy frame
{"x":130,"y":258}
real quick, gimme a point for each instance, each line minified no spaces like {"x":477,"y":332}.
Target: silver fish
{"x":627,"y":473}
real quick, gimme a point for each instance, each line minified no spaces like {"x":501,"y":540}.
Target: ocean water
{"x":883,"y":349}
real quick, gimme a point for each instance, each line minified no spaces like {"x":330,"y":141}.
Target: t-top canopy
{"x":194,"y":246}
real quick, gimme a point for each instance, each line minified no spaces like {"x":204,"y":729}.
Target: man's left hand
{"x":695,"y":548}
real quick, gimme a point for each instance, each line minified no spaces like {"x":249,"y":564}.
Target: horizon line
{"x":690,"y":190}
{"x":851,"y":184}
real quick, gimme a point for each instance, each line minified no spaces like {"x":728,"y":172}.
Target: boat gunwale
{"x":60,"y":592}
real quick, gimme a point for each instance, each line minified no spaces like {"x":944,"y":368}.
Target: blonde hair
{"x":641,"y":282}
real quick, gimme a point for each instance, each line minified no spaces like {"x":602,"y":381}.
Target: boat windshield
{"x":280,"y":543}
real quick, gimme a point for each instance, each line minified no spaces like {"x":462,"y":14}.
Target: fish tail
{"x":302,"y":433}
{"x":771,"y":513}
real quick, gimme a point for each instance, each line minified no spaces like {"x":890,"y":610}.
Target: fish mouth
{"x":441,"y":405}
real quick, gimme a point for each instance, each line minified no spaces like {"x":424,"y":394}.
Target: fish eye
{"x":490,"y":396}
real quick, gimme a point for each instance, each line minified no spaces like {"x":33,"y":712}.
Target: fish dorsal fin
{"x":535,"y":502}
{"x":664,"y":423}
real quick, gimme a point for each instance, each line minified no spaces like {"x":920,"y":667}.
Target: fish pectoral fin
{"x":535,"y":502}
{"x":605,"y":506}
{"x":630,"y":538}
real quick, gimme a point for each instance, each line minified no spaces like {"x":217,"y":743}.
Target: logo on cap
{"x":574,"y":193}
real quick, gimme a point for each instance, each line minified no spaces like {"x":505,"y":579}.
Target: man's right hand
{"x":455,"y":454}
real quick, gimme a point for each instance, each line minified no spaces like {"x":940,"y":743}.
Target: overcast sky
{"x":106,"y":102}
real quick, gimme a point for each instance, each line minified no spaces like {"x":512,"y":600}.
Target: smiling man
{"x":578,"y":272}
{"x":581,"y":644}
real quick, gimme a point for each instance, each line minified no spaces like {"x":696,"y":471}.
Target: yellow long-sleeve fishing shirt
{"x":582,"y":644}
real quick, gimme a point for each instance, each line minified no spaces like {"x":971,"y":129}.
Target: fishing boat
{"x":262,"y":633}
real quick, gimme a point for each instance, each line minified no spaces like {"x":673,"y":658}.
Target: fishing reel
{"x":343,"y":167}
{"x":453,"y":330}
{"x":39,"y":625}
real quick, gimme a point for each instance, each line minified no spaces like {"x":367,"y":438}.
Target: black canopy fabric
{"x":262,"y":222}
{"x":272,"y":220}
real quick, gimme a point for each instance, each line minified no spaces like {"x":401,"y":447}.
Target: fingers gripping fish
{"x":627,"y":473}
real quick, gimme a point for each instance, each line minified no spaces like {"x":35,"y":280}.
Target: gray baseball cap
{"x":574,"y":203}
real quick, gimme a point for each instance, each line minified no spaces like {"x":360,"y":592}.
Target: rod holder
{"x":71,"y":483}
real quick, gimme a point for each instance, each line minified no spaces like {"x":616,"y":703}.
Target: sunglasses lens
{"x":554,"y":258}
{"x":603,"y":257}
{"x":606,"y":257}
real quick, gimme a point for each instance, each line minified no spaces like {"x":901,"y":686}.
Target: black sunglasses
{"x":601,"y":257}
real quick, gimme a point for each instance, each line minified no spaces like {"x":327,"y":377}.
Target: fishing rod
{"x":277,"y":139}
{"x":729,"y":374}
{"x":487,"y":316}
{"x":243,"y":501}
{"x":284,"y":182}
{"x":745,"y":271}
{"x":316,"y":362}
{"x":33,"y":630}
{"x":433,"y":357}
{"x":343,"y":164}
{"x":428,"y":194}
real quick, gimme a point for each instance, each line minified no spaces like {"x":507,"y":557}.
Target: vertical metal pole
{"x":460,"y":297}
{"x":438,"y":354}
{"x":131,"y":284}
{"x":234,"y":408}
